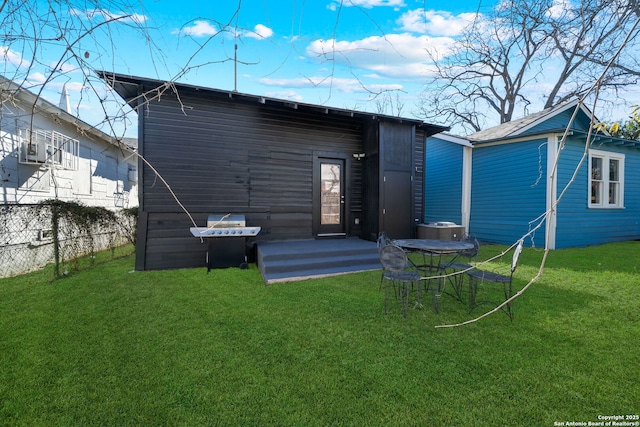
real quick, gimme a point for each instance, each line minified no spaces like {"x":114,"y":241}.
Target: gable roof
{"x":454,"y":139}
{"x":128,"y":88}
{"x":46,"y":107}
{"x":525,"y":124}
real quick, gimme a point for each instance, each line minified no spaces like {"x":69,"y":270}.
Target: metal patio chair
{"x":400,"y":277}
{"x":383,"y":240}
{"x":480,"y":276}
{"x":461,"y":263}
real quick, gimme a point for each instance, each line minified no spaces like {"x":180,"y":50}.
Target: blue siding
{"x":577,"y":225}
{"x":443,"y":181}
{"x":508,"y":191}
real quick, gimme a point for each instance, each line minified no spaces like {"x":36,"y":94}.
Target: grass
{"x":109,"y":346}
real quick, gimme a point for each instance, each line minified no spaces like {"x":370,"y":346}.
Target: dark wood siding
{"x":221,"y":155}
{"x":418,"y":177}
{"x":371,"y":182}
{"x":399,"y":193}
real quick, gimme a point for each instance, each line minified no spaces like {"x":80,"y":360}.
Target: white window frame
{"x":49,"y":148}
{"x":603,"y":182}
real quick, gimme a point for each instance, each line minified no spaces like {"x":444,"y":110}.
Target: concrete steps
{"x":304,"y":259}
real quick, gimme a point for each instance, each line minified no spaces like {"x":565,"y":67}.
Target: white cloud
{"x":198,"y":29}
{"x":291,"y":95}
{"x":435,"y":23}
{"x":91,"y":14}
{"x":12,"y":57}
{"x":64,"y":67}
{"x":73,"y":86}
{"x":36,"y":78}
{"x":338,"y":84}
{"x":559,"y":8}
{"x":367,"y":4}
{"x":260,"y":32}
{"x":202,"y":28}
{"x":396,"y":55}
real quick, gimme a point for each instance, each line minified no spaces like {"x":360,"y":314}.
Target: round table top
{"x":432,"y":245}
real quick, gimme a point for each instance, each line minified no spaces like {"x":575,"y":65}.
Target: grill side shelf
{"x":224,"y":232}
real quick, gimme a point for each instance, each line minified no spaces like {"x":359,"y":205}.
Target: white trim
{"x":606,"y":156}
{"x":467,"y":167}
{"x":554,"y":112}
{"x":552,"y":192}
{"x":453,"y":139}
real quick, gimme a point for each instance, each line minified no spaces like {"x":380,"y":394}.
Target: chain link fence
{"x":33,"y":236}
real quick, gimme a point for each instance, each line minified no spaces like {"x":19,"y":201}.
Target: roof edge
{"x":119,"y":81}
{"x":50,"y":108}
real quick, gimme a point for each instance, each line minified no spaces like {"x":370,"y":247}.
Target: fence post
{"x":55,"y":214}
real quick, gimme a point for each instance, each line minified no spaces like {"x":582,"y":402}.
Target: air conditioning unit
{"x":33,"y":152}
{"x":440,"y":231}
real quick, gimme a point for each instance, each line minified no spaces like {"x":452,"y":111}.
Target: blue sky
{"x":313,"y":51}
{"x":340,"y":54}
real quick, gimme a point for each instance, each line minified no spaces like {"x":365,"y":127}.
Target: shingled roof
{"x":520,"y":126}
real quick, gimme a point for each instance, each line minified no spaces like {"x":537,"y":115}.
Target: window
{"x":606,"y":180}
{"x":48,"y":147}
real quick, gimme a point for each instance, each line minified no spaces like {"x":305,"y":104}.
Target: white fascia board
{"x":454,"y":139}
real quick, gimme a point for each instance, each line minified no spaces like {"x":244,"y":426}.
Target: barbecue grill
{"x":226,"y":235}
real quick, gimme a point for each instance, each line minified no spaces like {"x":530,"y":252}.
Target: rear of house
{"x":602,"y":203}
{"x":297,"y":171}
{"x":515,"y":182}
{"x":47,"y":153}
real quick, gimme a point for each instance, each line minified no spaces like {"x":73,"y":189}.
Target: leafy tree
{"x":628,"y":129}
{"x":538,"y":52}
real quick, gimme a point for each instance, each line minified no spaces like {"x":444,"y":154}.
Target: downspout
{"x":467,"y":160}
{"x":552,"y":191}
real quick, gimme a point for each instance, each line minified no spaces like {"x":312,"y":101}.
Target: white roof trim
{"x":552,"y":113}
{"x":47,"y":107}
{"x":454,"y":139}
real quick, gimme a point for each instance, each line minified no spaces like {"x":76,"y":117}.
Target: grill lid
{"x":226,"y":221}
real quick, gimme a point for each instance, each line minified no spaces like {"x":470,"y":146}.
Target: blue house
{"x":502,"y":183}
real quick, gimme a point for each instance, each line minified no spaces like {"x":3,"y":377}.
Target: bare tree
{"x":45,"y":44}
{"x":541,"y":52}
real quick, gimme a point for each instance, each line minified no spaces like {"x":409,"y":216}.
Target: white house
{"x":47,"y":153}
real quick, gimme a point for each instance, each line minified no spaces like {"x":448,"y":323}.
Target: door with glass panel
{"x":330,"y":197}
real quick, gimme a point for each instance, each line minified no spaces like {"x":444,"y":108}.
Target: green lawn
{"x":109,"y":346}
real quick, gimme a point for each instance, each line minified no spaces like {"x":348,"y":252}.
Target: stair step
{"x":302,"y":252}
{"x":310,"y":263}
{"x":299,"y":260}
{"x":289,"y":276}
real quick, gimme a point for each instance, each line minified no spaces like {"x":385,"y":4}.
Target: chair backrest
{"x":383,"y":240}
{"x":470,"y":253}
{"x":393,"y":258}
{"x":516,"y":255}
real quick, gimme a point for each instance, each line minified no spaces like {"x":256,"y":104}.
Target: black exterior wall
{"x":224,"y":152}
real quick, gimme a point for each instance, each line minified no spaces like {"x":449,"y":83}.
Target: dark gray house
{"x":273,"y":161}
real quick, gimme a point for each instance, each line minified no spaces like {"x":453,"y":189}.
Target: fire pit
{"x":226,"y":235}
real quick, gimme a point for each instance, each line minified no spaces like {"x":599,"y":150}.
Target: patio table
{"x":434,"y":249}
